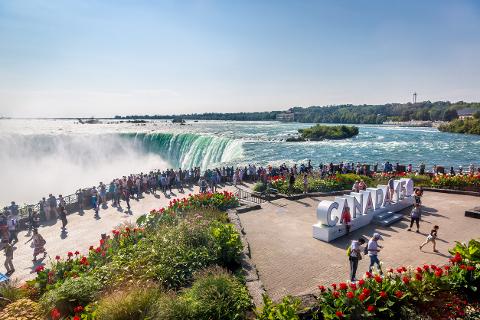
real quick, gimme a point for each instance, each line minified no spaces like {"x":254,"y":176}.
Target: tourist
{"x":43,"y":209}
{"x":391,"y":185}
{"x":126,"y":194}
{"x":415,"y":216}
{"x":32,"y":219}
{"x":418,"y":193}
{"x":422,"y":168}
{"x":291,"y":182}
{"x":346,"y":219}
{"x":373,"y":250}
{"x":52,"y":203}
{"x":355,"y":254}
{"x":452,"y":171}
{"x":38,"y":244}
{"x":9,"y":258}
{"x":356,"y":187}
{"x":431,"y":238}
{"x":305,"y":183}
{"x":62,"y":214}
{"x":13,"y":209}
{"x":12,"y":224}
{"x":362,"y":185}
{"x":80,"y":199}
{"x":409,"y":168}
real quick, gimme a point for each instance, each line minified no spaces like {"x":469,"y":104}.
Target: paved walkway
{"x":291,"y":261}
{"x":83,"y":230}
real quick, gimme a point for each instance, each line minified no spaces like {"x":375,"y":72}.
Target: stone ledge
{"x":473,"y":213}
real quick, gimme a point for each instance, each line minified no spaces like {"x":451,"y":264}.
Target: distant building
{"x":465,"y":114}
{"x":286,"y":117}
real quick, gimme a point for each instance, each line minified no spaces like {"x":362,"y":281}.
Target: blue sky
{"x":102,"y":58}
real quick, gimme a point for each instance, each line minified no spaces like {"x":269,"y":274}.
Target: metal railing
{"x":248,"y":196}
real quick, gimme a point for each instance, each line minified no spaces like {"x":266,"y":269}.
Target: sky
{"x":105,"y":58}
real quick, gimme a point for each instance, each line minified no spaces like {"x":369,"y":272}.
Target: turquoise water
{"x":43,"y":156}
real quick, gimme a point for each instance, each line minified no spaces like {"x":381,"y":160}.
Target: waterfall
{"x":188,"y":150}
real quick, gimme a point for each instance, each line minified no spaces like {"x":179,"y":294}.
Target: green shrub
{"x":228,"y":243}
{"x":321,"y":132}
{"x":259,"y":187}
{"x":10,"y":293}
{"x":216,"y":294}
{"x":71,"y":293}
{"x":172,"y":307}
{"x":285,"y":310}
{"x":134,"y":303}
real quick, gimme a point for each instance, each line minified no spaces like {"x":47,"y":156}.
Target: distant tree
{"x":476,"y":115}
{"x":449,"y":115}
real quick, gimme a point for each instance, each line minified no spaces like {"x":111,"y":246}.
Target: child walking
{"x":431,"y":238}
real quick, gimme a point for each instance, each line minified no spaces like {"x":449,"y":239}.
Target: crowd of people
{"x":134,"y":186}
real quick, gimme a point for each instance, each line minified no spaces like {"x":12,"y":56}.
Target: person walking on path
{"x":305,"y":183}
{"x":431,"y":238}
{"x":354,"y":255}
{"x":38,"y":244}
{"x":415,"y":216}
{"x":291,"y":183}
{"x":9,"y":258}
{"x":373,"y":250}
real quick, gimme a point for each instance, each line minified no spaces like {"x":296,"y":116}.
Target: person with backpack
{"x":354,"y":254}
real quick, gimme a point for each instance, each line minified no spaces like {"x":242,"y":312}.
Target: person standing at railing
{"x":62,"y":213}
{"x":80,"y":199}
{"x":52,"y":203}
{"x":44,"y":209}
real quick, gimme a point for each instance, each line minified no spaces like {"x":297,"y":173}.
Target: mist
{"x":32,"y":166}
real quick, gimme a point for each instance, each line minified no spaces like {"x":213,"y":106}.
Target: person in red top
{"x":346,"y":218}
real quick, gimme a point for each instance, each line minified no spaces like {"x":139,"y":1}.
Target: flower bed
{"x":467,"y":182}
{"x":148,"y":266}
{"x":405,"y":292}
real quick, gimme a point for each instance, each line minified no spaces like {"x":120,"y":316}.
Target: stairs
{"x":387,"y":218}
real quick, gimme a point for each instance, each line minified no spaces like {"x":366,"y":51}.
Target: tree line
{"x":346,"y":113}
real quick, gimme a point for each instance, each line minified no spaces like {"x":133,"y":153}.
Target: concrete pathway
{"x":83,"y":230}
{"x":291,"y":261}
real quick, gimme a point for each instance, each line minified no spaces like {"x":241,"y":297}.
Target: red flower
{"x":378,"y":278}
{"x":406,"y":280}
{"x":343,"y":286}
{"x":371,"y":308}
{"x":368,"y":274}
{"x":336,"y":294}
{"x":366,"y":291}
{"x":361,"y":282}
{"x":419,"y":270}
{"x":77,"y":253}
{"x":353,"y":286}
{"x":55,"y":314}
{"x":339,"y":314}
{"x":322,"y":288}
{"x":383,"y":294}
{"x":433,"y":267}
{"x":78,"y":309}
{"x":463,"y":267}
{"x":98,"y":250}
{"x":399,"y":270}
{"x":334,"y":286}
{"x":447,"y":268}
{"x":404,"y":269}
{"x":91,"y":248}
{"x":399,"y":294}
{"x":418,"y":276}
{"x":426,"y":267}
{"x":76,"y":318}
{"x":350,"y":295}
{"x":470,"y":268}
{"x":57,"y":257}
{"x":438,"y":273}
{"x":69,"y":254}
{"x":390,"y":270}
{"x":362,"y":296}
{"x":39,"y":269}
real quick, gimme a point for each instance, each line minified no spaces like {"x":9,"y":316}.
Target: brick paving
{"x":83,"y":230}
{"x":291,"y":262}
